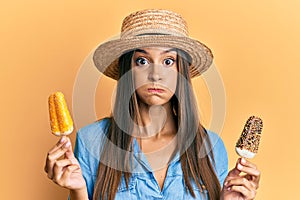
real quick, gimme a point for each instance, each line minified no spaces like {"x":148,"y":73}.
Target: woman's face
{"x":155,"y":74}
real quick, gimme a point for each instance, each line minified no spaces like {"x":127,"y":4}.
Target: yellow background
{"x":43,"y":44}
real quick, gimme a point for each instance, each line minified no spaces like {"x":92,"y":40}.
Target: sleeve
{"x":82,"y":155}
{"x":220,"y":157}
{"x":88,"y":146}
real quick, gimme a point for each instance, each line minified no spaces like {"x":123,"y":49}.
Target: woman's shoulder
{"x":90,"y":139}
{"x":220,"y":155}
{"x":216,"y":142}
{"x":94,"y":129}
{"x":214,"y":137}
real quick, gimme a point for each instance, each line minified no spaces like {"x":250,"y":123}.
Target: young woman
{"x":153,"y":145}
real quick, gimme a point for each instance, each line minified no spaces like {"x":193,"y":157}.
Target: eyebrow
{"x":166,"y":51}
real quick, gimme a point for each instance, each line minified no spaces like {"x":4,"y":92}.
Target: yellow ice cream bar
{"x":247,"y":144}
{"x":60,"y":118}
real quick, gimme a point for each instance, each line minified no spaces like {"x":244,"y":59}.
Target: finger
{"x":67,"y":142}
{"x":234,"y":172}
{"x":248,"y":194}
{"x":253,"y":181}
{"x":247,"y":163}
{"x":58,"y":145}
{"x":252,"y":174}
{"x":65,"y":177}
{"x":241,"y":181}
{"x":52,"y":158}
{"x":69,"y":153}
{"x":53,"y":153}
{"x":58,"y":169}
{"x":243,"y":186}
{"x":60,"y":151}
{"x":248,"y":170}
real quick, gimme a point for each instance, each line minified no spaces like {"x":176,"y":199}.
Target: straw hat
{"x":148,"y":28}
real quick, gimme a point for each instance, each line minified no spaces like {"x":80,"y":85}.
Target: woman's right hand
{"x":63,"y":168}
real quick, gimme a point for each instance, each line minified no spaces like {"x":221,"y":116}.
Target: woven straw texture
{"x":152,"y":28}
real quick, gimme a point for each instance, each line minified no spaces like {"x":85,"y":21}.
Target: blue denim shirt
{"x":142,"y":184}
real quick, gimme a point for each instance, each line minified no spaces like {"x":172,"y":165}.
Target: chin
{"x":156,"y":103}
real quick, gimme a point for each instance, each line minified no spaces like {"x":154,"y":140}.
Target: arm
{"x":79,"y":194}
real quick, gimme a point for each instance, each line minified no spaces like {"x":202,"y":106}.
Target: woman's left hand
{"x":241,"y":182}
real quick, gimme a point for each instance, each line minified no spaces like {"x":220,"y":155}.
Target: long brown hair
{"x":196,"y":158}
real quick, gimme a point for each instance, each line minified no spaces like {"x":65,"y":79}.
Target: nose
{"x":155,"y":72}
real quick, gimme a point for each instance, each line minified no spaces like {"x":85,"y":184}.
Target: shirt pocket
{"x":127,"y":193}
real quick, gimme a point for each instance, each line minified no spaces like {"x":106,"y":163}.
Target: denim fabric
{"x":142,"y":184}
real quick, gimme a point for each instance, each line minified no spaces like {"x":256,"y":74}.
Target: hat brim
{"x":107,"y":54}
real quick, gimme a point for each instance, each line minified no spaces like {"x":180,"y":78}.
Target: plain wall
{"x":43,"y":44}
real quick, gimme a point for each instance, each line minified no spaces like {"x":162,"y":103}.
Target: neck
{"x":156,"y":120}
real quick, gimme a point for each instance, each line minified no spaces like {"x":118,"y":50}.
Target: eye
{"x":141,"y":61}
{"x":169,"y":62}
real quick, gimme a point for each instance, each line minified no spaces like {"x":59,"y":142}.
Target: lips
{"x":155,"y":90}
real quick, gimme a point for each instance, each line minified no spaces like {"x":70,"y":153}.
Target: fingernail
{"x":68,"y":144}
{"x":62,"y":139}
{"x":229,"y":188}
{"x":226,"y":183}
{"x":243,"y":160}
{"x":239,"y":166}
